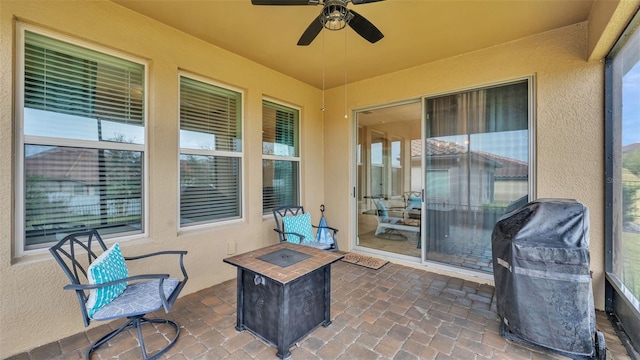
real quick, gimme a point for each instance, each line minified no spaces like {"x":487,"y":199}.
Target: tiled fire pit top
{"x":284,"y":257}
{"x":312,"y":259}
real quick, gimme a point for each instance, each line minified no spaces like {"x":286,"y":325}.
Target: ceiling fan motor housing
{"x":335,"y":15}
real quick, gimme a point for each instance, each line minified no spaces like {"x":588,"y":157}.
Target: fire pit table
{"x":284,"y":292}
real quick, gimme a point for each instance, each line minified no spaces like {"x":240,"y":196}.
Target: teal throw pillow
{"x":300,"y":224}
{"x":414,"y":203}
{"x":109,"y":266}
{"x":382,"y":210}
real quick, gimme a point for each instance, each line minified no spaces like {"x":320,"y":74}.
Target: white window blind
{"x":76,"y":101}
{"x":64,"y":78}
{"x":281,"y":162}
{"x":210,"y":155}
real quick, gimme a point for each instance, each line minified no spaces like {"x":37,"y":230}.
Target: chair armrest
{"x":285,"y":233}
{"x":169,"y":252}
{"x":282,"y":234}
{"x":325,"y":227}
{"x":334,"y":235}
{"x":182,"y":253}
{"x":129,"y":278}
{"x":396,"y":212}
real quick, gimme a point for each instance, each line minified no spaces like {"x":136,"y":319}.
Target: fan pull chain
{"x":323,"y":72}
{"x":345,"y":75}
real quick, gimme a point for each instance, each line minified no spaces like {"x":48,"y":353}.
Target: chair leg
{"x":391,"y":233}
{"x":109,"y":336}
{"x":137,"y":322}
{"x":141,"y":321}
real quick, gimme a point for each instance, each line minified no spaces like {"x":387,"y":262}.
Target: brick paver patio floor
{"x":396,"y":312}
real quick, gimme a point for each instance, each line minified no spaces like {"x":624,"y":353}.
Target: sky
{"x":631,"y":106}
{"x":53,"y":124}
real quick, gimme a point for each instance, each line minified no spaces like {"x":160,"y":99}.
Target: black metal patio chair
{"x":294,"y":225}
{"x":105,"y":291}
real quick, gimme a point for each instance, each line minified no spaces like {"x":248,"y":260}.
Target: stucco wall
{"x":569,"y":123}
{"x":34,"y":309}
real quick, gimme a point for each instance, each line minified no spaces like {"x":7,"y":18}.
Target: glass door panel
{"x":476,"y":156}
{"x":389,"y":168}
{"x":377,"y":164}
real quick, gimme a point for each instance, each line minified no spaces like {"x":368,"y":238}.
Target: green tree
{"x":123,"y":178}
{"x":38,"y":207}
{"x":629,"y":199}
{"x":631,"y":161}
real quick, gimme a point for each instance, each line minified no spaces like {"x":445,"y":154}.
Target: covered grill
{"x":542,"y":278}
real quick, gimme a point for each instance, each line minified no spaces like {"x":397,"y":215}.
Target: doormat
{"x":366,"y":261}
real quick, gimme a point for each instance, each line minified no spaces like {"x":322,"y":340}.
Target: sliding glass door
{"x":477,"y":169}
{"x":435,"y":175}
{"x":388,"y":152}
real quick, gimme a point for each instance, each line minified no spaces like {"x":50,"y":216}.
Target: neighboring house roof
{"x":64,"y":163}
{"x":437,"y":147}
{"x":505,"y":168}
{"x":445,"y":150}
{"x":510,"y":168}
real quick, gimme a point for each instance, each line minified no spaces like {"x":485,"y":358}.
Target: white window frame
{"x":19,"y":137}
{"x":239,"y":155}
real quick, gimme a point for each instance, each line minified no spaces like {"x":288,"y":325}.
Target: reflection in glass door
{"x":477,"y":169}
{"x":388,"y":157}
{"x":377,"y":160}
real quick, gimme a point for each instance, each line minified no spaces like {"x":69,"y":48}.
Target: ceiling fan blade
{"x":364,"y":28}
{"x":312,"y":31}
{"x":358,"y":2}
{"x":284,"y":2}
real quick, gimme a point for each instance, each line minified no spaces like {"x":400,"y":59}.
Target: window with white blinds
{"x":280,"y":156}
{"x":210,"y":152}
{"x":83,"y":136}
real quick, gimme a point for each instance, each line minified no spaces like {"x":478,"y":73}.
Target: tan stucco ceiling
{"x":416,"y":31}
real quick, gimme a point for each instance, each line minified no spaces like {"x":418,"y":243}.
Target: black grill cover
{"x":542,"y":279}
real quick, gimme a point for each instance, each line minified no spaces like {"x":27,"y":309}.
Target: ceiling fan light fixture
{"x":335,"y":15}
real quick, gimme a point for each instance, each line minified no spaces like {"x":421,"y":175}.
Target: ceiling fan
{"x":334,"y":16}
